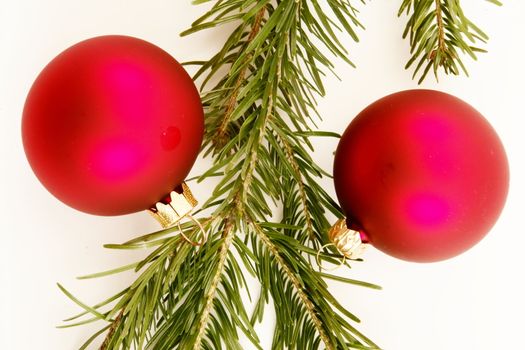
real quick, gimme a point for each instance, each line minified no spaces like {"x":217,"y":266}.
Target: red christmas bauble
{"x":422,"y":174}
{"x":112,"y":125}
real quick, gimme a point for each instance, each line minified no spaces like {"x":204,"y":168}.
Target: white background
{"x":475,"y":301}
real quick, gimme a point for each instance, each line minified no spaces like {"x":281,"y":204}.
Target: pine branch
{"x":303,"y":305}
{"x":440,"y":34}
{"x":111,"y":331}
{"x":210,"y":296}
{"x":300,"y":185}
{"x":312,"y":312}
{"x":221,"y":137}
{"x":258,"y":125}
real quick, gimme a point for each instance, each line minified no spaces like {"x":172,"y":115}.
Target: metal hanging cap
{"x":347,"y":241}
{"x":179,"y":204}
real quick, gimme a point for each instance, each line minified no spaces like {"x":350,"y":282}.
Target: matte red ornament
{"x":112,"y":125}
{"x":421,"y":174}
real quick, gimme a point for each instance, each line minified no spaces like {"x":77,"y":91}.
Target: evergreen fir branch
{"x":305,"y":300}
{"x":221,"y":136}
{"x":194,"y":289}
{"x":210,"y":295}
{"x":303,"y":304}
{"x":111,"y":331}
{"x":439,"y":34}
{"x":259,"y":119}
{"x":301,"y":189}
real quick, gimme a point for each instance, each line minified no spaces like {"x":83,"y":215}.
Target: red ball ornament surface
{"x":421,"y":174}
{"x":112,"y":125}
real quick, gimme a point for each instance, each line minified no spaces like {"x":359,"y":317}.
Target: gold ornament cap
{"x":179,"y":204}
{"x":347,"y":241}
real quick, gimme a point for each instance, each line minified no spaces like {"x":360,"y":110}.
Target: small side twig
{"x":111,"y":331}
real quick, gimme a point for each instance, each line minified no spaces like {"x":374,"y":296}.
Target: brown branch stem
{"x":300,"y":184}
{"x":228,"y":235}
{"x":111,"y":331}
{"x":441,"y":27}
{"x":221,"y":133}
{"x":310,"y":307}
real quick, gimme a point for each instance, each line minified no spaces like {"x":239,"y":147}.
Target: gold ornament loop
{"x":343,"y":259}
{"x":179,"y":204}
{"x":204,"y":234}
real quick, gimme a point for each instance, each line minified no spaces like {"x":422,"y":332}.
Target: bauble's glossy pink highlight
{"x":422,"y":174}
{"x":112,"y":125}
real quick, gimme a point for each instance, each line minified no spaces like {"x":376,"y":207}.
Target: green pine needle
{"x":258,"y":125}
{"x":260,"y":116}
{"x":440,"y":34}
